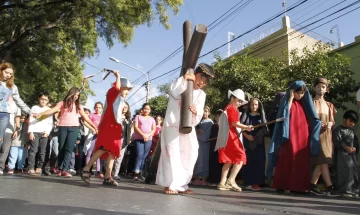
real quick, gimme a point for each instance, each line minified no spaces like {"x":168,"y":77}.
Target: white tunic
{"x":179,"y":151}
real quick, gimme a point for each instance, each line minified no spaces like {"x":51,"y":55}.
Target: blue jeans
{"x":4,"y":122}
{"x":18,"y":154}
{"x":67,"y":139}
{"x":142,"y":150}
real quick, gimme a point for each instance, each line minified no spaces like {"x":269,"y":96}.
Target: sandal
{"x":85,"y":178}
{"x":110,"y":182}
{"x":187,"y":192}
{"x":31,"y":172}
{"x":233,"y":186}
{"x":38,"y":171}
{"x":167,"y":191}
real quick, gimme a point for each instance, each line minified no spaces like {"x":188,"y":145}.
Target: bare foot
{"x":170,"y":192}
{"x":187,"y":192}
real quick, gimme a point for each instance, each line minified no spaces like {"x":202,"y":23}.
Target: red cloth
{"x":155,"y":140}
{"x":292,"y":170}
{"x":234,"y":151}
{"x":110,"y":132}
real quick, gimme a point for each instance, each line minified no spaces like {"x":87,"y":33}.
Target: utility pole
{"x":147,"y":86}
{"x":147,"y":83}
{"x":338,"y":34}
{"x":230,"y":37}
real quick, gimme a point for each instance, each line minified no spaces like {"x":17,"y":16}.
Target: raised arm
{"x":18,"y":101}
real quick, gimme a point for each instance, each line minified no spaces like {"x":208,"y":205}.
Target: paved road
{"x":26,"y":195}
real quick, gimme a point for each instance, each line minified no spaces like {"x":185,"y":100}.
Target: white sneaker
{"x":72,"y":172}
{"x":1,"y":172}
{"x":116,"y":177}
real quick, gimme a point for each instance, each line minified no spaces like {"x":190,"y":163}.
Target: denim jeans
{"x":4,"y":122}
{"x":4,"y":150}
{"x":142,"y":150}
{"x":38,"y":146}
{"x":17,"y":154}
{"x":67,"y":140}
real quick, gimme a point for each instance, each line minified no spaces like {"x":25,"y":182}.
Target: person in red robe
{"x":292,"y":172}
{"x":108,"y":143}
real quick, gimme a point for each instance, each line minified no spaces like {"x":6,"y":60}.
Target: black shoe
{"x":280,"y":191}
{"x":332,"y":192}
{"x":315,"y":190}
{"x":46,"y":172}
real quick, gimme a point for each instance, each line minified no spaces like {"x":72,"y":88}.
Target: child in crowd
{"x":68,"y":127}
{"x":89,"y":146}
{"x":345,"y":150}
{"x":108,"y":144}
{"x":145,"y":128}
{"x":254,"y":143}
{"x":39,"y":130}
{"x":18,"y":151}
{"x":201,"y":170}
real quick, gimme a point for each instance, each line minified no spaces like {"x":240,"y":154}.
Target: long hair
{"x":69,"y":99}
{"x":128,"y":113}
{"x":5,"y":65}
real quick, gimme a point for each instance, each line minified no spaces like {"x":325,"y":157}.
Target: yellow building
{"x":281,"y":43}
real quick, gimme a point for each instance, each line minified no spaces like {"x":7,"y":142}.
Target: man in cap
{"x":326,"y":113}
{"x":179,"y":151}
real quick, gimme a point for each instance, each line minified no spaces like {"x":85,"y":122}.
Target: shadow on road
{"x":342,"y":205}
{"x":80,"y":183}
{"x":20,"y":207}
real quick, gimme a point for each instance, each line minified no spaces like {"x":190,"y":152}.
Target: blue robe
{"x":281,"y":130}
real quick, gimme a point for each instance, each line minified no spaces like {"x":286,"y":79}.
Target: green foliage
{"x":46,"y":39}
{"x":158,"y":105}
{"x":264,"y":78}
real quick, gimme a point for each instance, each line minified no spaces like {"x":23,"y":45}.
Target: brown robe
{"x":326,"y":113}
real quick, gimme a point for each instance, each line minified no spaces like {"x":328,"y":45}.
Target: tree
{"x":46,"y":39}
{"x":158,"y":105}
{"x":264,"y":78}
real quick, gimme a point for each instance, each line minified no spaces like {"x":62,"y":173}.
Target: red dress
{"x":155,"y":140}
{"x":110,"y":132}
{"x":234,"y":152}
{"x":292,"y":170}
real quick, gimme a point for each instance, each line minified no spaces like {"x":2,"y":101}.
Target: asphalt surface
{"x":28,"y":195}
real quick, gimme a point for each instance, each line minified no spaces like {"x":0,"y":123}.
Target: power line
{"x":157,"y":91}
{"x":91,"y":65}
{"x":323,"y":11}
{"x":249,"y":31}
{"x":296,"y":31}
{"x":134,"y":93}
{"x":256,"y":27}
{"x":178,"y":50}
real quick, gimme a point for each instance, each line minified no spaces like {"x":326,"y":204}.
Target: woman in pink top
{"x":95,"y":118}
{"x":68,"y":127}
{"x":145,"y":128}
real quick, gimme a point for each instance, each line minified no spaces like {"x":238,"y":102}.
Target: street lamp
{"x":230,"y":37}
{"x":338,"y":34}
{"x":147,"y":84}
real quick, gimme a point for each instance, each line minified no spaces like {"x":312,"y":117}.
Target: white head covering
{"x":238,"y":94}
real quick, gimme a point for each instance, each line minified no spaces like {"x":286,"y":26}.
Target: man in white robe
{"x":179,"y":151}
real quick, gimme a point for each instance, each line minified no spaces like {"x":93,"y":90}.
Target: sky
{"x":152,"y":44}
